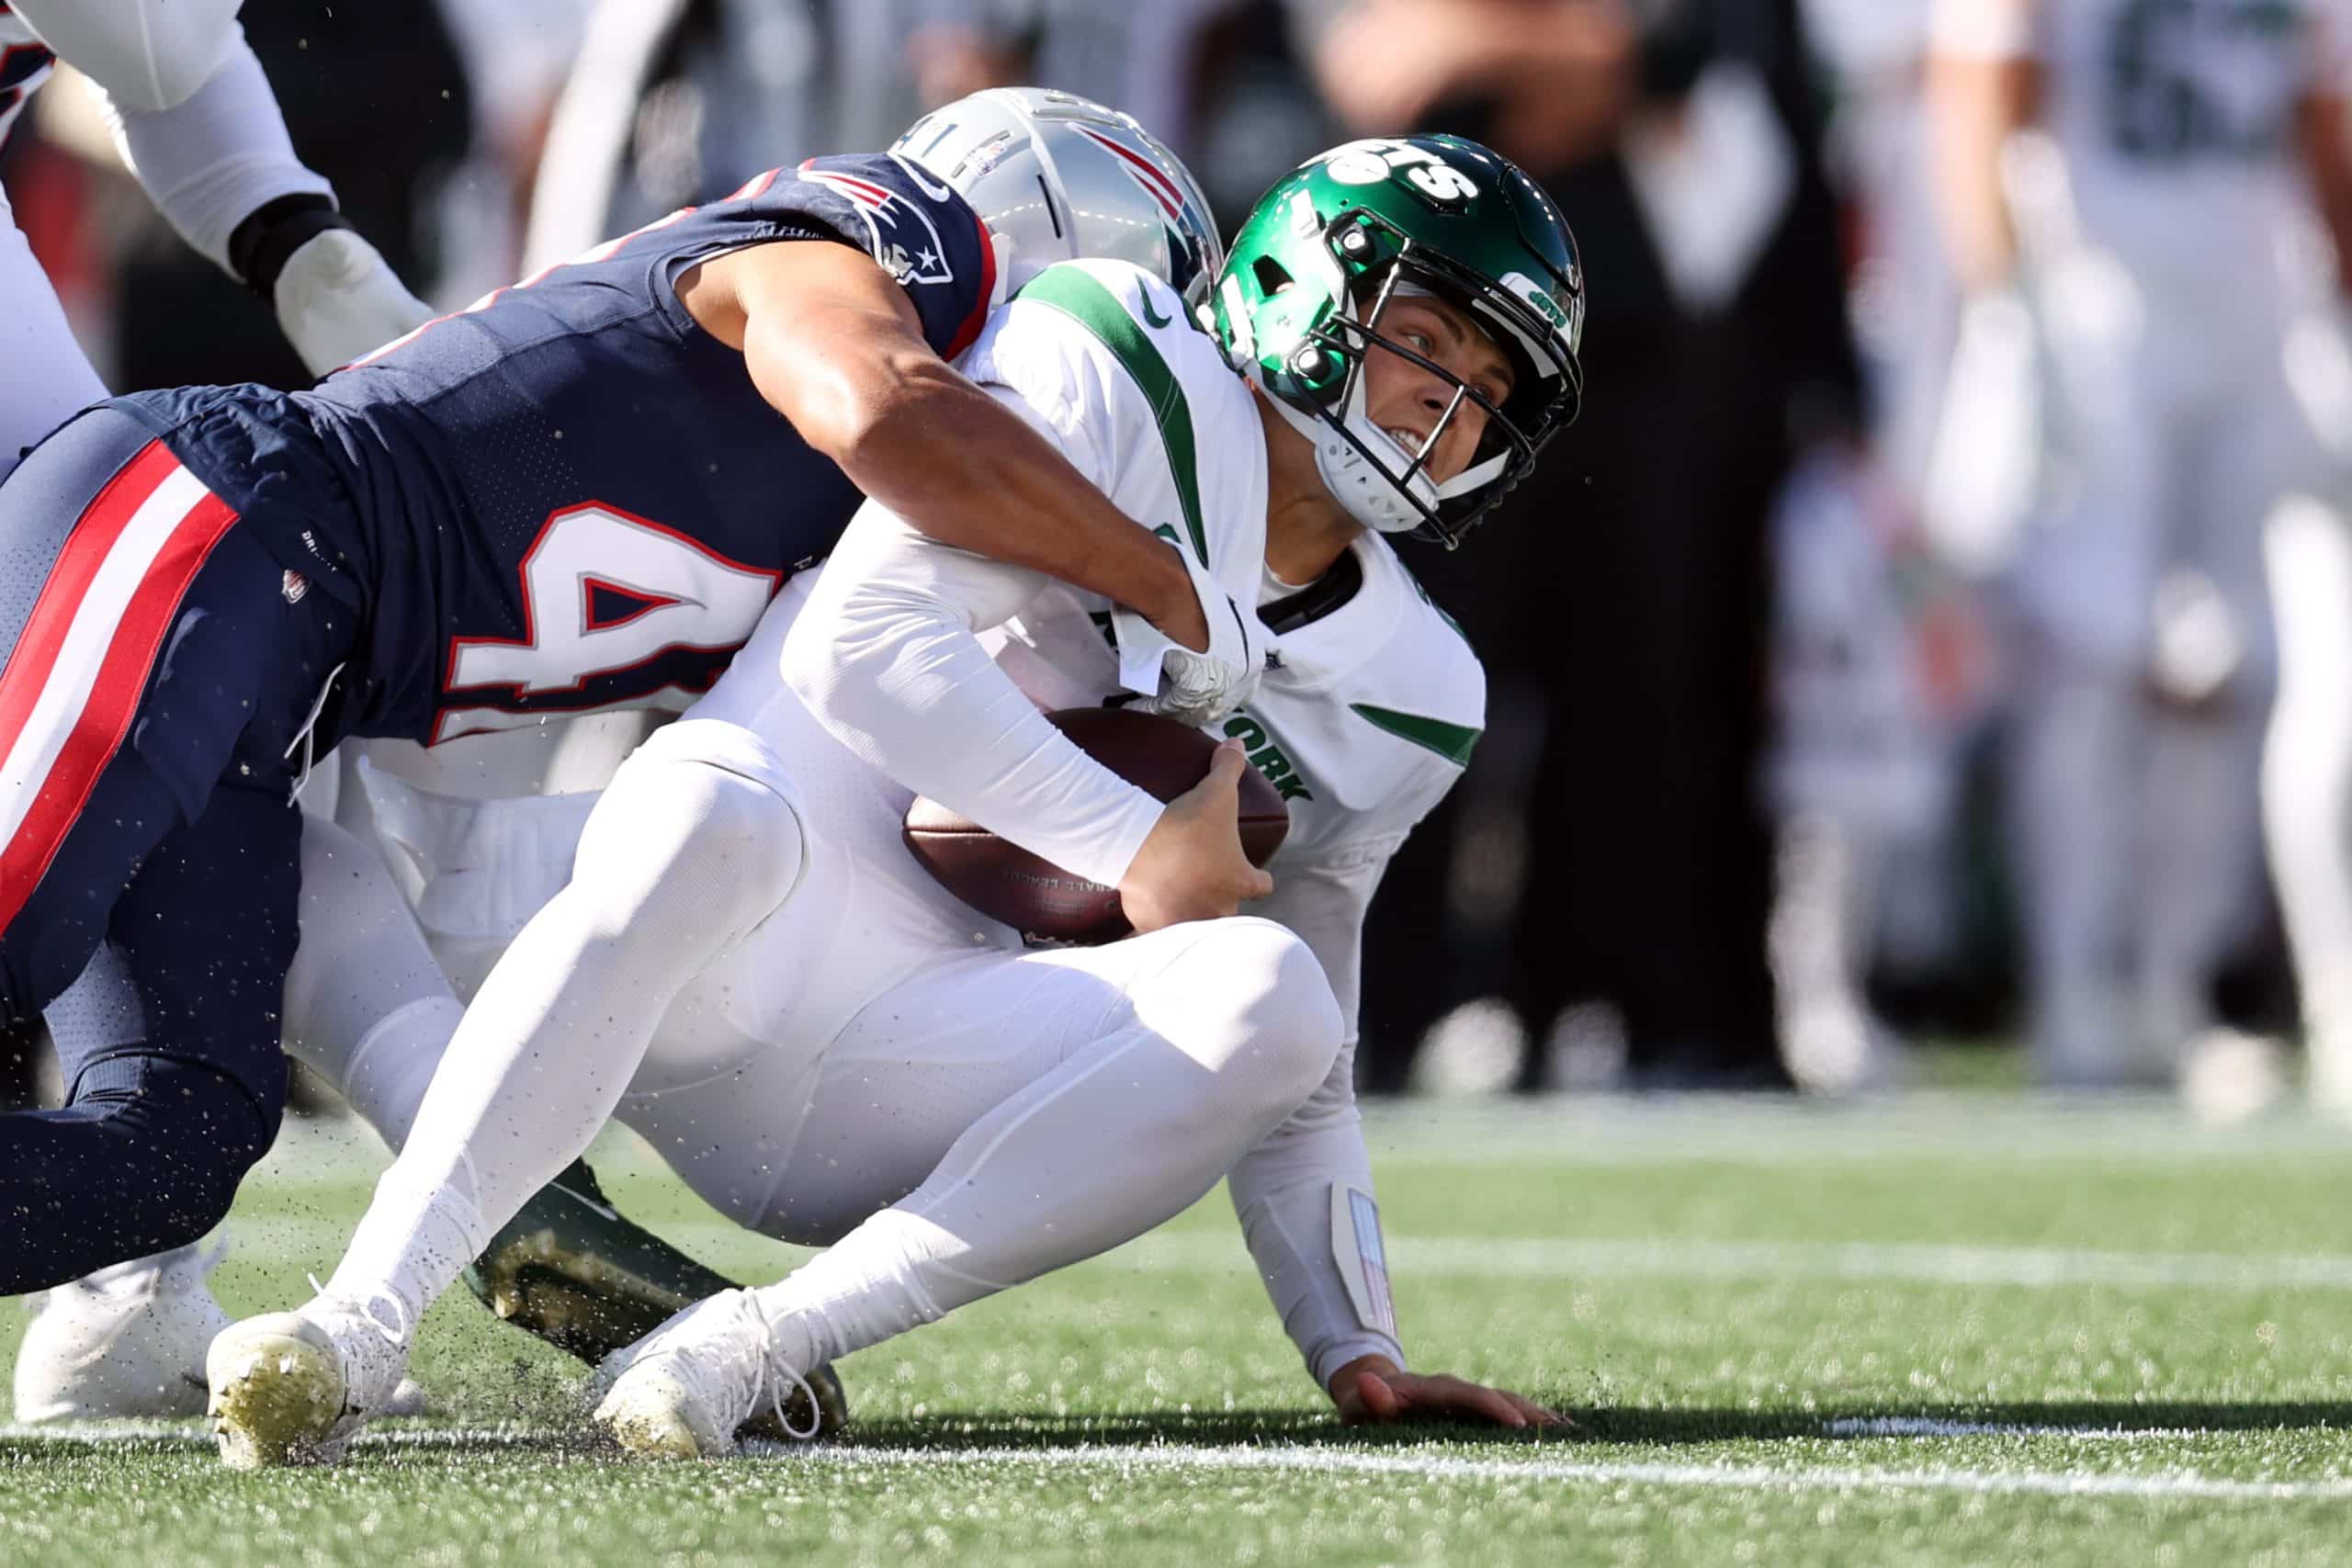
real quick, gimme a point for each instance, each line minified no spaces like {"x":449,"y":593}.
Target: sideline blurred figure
{"x":2119,"y":358}
{"x":1610,"y":842}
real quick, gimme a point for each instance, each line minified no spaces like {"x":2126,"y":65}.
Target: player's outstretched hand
{"x":1372,"y":1388}
{"x":1191,"y":867}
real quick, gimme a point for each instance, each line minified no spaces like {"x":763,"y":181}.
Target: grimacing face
{"x":1406,"y":401}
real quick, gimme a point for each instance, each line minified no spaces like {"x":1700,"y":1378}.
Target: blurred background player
{"x":1611,"y":845}
{"x":193,"y":117}
{"x":2124,"y":271}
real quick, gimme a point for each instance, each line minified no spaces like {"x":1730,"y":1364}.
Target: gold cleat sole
{"x":643,"y":1414}
{"x":277,"y":1392}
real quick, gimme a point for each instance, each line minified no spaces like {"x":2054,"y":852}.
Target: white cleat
{"x":125,"y":1343}
{"x":682,"y":1391}
{"x":294,"y":1387}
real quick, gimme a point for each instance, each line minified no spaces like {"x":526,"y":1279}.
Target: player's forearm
{"x":2324,"y":132}
{"x":1304,"y":1199}
{"x":1975,"y":105}
{"x":885,"y":657}
{"x":969,"y":472}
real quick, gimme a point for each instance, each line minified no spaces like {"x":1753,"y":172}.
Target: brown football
{"x":1007,"y":883}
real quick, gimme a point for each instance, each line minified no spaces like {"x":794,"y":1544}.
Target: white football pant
{"x":747,"y":967}
{"x":2147,"y":671}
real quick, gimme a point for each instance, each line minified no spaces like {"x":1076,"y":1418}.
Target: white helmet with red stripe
{"x":1062,"y":177}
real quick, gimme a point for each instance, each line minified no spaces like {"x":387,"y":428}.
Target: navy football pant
{"x":157,"y":686}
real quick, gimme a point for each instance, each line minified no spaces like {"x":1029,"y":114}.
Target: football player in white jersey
{"x":2146,"y":257}
{"x":195,"y":120}
{"x":865,"y":1062}
{"x":368,"y":1002}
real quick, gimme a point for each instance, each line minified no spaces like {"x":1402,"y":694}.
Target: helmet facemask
{"x":1321,"y":388}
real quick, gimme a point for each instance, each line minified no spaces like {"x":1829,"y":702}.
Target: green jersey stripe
{"x":1454,"y":742}
{"x":1076,"y":295}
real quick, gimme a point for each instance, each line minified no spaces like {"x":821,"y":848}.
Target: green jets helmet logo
{"x":1538,"y":299}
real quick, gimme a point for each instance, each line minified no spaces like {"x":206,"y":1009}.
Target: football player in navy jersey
{"x":576,"y":495}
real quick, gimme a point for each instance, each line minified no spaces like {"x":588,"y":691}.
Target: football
{"x":1007,"y":883}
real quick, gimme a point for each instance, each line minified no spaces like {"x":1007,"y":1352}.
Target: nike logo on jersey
{"x":1151,"y":317}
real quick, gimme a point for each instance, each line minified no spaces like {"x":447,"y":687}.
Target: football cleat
{"x":573,"y":1270}
{"x":684,"y":1390}
{"x":124,"y":1343}
{"x":292,"y":1388}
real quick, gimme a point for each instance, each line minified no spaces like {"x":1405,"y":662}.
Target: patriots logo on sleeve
{"x":904,"y":240}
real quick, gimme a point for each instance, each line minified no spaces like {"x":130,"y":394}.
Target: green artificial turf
{"x":1963,"y":1329}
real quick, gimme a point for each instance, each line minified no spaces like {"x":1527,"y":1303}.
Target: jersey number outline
{"x":2168,"y":68}
{"x":680,"y":596}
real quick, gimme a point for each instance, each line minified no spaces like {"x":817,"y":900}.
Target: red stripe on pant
{"x":96,"y":729}
{"x":100,"y":524}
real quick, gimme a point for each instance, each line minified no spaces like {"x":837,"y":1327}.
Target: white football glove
{"x":1985,"y":468}
{"x":337,"y":299}
{"x":1175,"y":681}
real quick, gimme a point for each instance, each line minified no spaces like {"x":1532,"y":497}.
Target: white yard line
{"x":2161,"y":1485}
{"x":1931,"y":1427}
{"x":302,"y":1241}
{"x":1603,"y":1473}
{"x":2007,"y":1128}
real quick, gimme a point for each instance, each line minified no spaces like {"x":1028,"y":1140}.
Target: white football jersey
{"x":1377,"y":700}
{"x":2175,"y":119}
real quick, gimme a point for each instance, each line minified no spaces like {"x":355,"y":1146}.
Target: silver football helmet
{"x":1061,"y":177}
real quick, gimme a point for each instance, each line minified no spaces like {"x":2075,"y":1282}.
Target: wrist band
{"x":260,"y":246}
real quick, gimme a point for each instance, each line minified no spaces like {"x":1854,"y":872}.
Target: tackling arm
{"x":833,"y":342}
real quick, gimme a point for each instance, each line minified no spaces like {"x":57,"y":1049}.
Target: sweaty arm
{"x":1983,"y":83}
{"x":835,"y":345}
{"x":1305,"y":1195}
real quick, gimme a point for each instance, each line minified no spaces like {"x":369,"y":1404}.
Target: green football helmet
{"x":1299,"y":302}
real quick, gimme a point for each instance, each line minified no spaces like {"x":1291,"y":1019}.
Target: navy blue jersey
{"x":569,"y":497}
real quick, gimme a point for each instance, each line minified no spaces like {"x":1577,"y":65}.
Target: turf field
{"x":1965,"y":1328}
